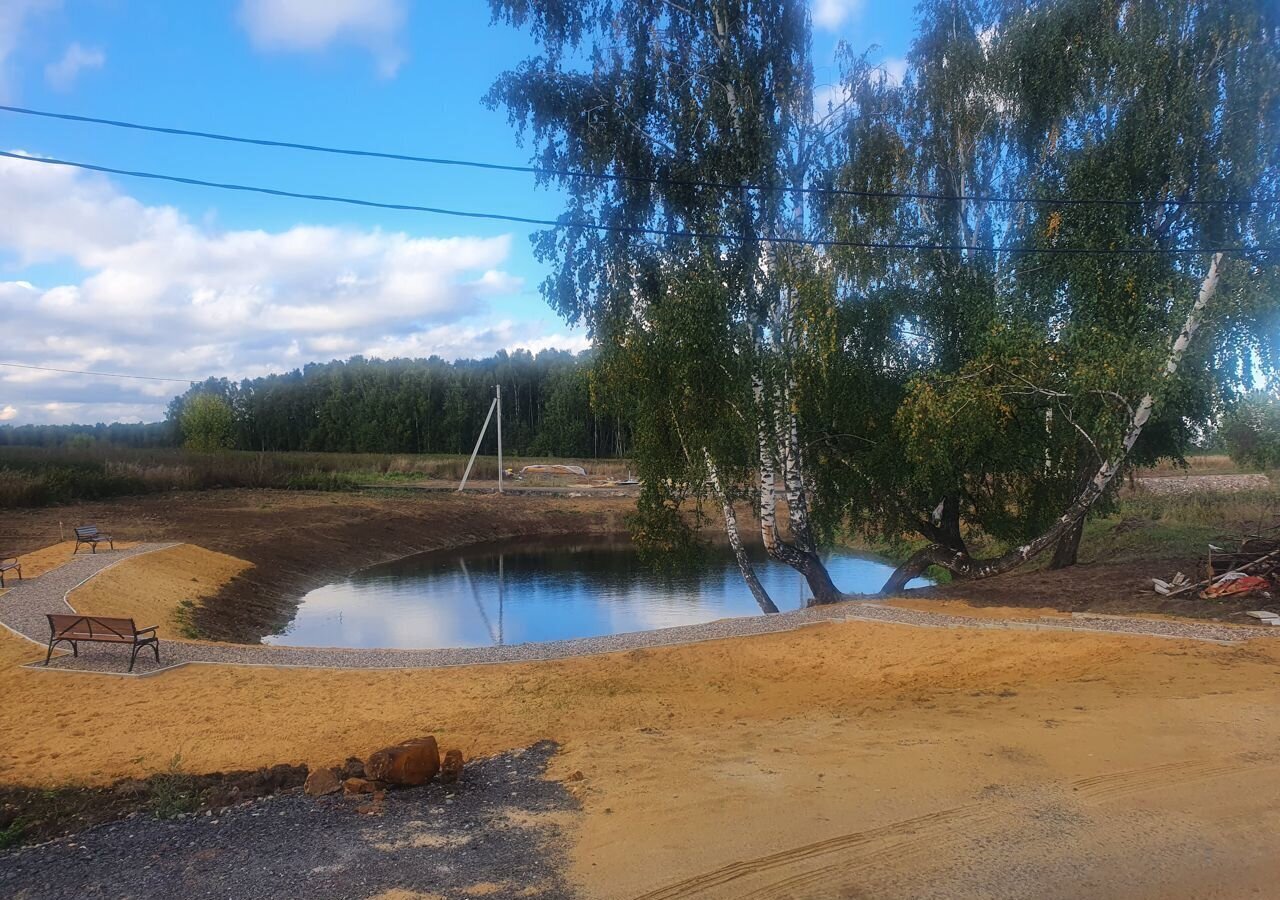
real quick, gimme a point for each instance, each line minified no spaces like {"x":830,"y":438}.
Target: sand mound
{"x":153,"y":586}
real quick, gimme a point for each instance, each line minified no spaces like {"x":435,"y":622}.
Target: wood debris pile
{"x":1251,"y":570}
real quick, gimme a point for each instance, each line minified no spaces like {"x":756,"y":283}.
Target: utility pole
{"x":497,"y":400}
{"x":472,"y":461}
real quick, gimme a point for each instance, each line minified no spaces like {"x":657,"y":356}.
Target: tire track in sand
{"x":864,"y":848}
{"x":860,"y":851}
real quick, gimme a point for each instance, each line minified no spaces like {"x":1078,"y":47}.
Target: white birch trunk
{"x":735,"y":540}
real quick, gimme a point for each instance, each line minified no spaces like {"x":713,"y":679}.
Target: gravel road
{"x":495,"y":833}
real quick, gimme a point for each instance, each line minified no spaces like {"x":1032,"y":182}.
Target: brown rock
{"x":577,"y":776}
{"x":361,"y":786}
{"x":353,"y":768}
{"x":374,"y":806}
{"x":413,"y":762}
{"x":321,"y":782}
{"x":451,"y":768}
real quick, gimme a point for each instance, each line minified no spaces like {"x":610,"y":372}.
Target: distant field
{"x":1208,"y":464}
{"x":31,"y":476}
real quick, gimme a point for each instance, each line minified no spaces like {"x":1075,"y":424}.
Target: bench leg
{"x":156,"y":648}
{"x":48,"y":656}
{"x":133,"y":657}
{"x":75,"y":649}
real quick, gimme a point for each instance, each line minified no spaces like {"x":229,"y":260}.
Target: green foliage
{"x":174,"y":792}
{"x":955,"y":394}
{"x":419,"y":406}
{"x":1251,"y":430}
{"x":11,"y":834}
{"x":208,"y":425}
{"x":29,"y":482}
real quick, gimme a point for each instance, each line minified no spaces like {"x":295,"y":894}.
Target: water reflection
{"x":519,"y":591}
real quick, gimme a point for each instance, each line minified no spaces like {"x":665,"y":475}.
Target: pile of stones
{"x":406,"y":764}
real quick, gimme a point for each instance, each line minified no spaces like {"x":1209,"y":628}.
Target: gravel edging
{"x":23,"y":609}
{"x":497,"y":832}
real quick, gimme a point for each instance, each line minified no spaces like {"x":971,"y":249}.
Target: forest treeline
{"x":387,"y":406}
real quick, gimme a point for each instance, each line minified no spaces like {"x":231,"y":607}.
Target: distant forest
{"x":387,"y":406}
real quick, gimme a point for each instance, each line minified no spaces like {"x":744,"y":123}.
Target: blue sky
{"x":120,"y":275}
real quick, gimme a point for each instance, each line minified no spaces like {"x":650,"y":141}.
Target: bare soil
{"x":1107,"y":588}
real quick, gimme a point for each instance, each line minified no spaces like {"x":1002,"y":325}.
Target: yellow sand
{"x":843,"y":759}
{"x":960,"y":608}
{"x":37,"y":562}
{"x":149,"y":587}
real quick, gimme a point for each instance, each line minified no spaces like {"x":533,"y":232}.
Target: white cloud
{"x":313,"y":25}
{"x":830,"y":96}
{"x":8,"y":412}
{"x":15,"y":15}
{"x":162,"y":295}
{"x":831,"y":14}
{"x":894,"y":68}
{"x":61,"y":75}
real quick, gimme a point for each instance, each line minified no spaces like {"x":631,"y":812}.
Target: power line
{"x":96,"y":374}
{"x":638,"y":179}
{"x":637,"y":230}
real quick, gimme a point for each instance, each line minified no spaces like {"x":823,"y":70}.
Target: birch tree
{"x":700,"y":114}
{"x":943,"y":388}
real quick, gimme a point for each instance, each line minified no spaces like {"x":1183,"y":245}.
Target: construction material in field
{"x":1252,"y":569}
{"x":553,"y":469}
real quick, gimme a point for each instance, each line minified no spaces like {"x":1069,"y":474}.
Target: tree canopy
{"x":746,"y":305}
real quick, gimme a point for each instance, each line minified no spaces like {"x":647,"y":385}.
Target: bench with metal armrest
{"x":76,"y":629}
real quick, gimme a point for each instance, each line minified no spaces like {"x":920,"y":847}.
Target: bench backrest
{"x":86,"y":531}
{"x":91,"y":627}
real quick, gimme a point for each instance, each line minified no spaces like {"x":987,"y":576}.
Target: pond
{"x":543,"y":589}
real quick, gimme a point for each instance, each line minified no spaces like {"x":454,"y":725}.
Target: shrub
{"x":1252,"y":431}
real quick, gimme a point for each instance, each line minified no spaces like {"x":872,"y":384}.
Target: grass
{"x":184,"y":618}
{"x":1203,"y":464}
{"x":1151,"y":526}
{"x":1143,"y":526}
{"x":174,"y":792}
{"x":31,"y":477}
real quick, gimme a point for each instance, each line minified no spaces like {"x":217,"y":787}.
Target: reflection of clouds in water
{"x":559,"y":592}
{"x":349,"y":614}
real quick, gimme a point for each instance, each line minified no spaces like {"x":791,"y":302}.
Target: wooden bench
{"x":89,"y":534}
{"x":9,"y":565}
{"x":73,"y":629}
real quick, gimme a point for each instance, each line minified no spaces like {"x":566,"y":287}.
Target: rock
{"x":411,"y":763}
{"x":353,"y":768}
{"x":321,"y":782}
{"x":361,"y":786}
{"x":451,"y":768}
{"x":577,"y":776}
{"x":374,"y":806}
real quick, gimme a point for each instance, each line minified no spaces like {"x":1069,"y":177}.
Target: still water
{"x":542,"y":590}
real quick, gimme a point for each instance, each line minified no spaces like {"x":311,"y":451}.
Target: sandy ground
{"x":151,"y":586}
{"x":960,"y":608}
{"x":839,"y":760}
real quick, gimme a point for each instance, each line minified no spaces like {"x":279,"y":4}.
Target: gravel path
{"x":1194,"y":484}
{"x":495,"y":833}
{"x":23,"y":610}
{"x":24,"y":607}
